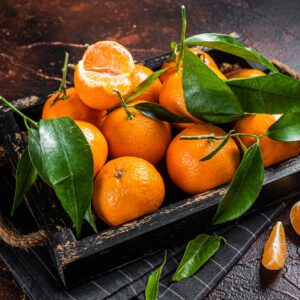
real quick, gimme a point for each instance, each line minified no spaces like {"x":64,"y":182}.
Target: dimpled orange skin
{"x":71,"y":107}
{"x":295,"y":217}
{"x":171,"y":97}
{"x":205,"y":57}
{"x":275,"y":249}
{"x":97,"y":144}
{"x":141,"y":73}
{"x":243,"y":73}
{"x":272,"y":151}
{"x":127,"y":188}
{"x":141,"y":137}
{"x":194,"y":176}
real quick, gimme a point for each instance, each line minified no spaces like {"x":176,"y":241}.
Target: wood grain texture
{"x":35,"y":34}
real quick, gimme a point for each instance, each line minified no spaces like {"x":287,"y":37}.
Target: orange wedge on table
{"x":105,"y":66}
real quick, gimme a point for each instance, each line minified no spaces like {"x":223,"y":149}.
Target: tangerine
{"x":96,"y":142}
{"x":241,"y":73}
{"x":127,"y":188}
{"x":275,"y":249}
{"x":272,"y":151}
{"x":194,"y":176}
{"x":105,"y":66}
{"x":295,"y":217}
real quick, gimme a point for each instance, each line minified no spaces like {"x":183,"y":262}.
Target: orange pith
{"x":295,"y":217}
{"x":141,"y":136}
{"x":194,"y":176}
{"x":97,"y":144}
{"x":273,"y":151}
{"x":275,"y":249}
{"x":241,"y":73}
{"x":71,"y":107}
{"x":106,"y":66}
{"x":127,"y":188}
{"x":141,"y":73}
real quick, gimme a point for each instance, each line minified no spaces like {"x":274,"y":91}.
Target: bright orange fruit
{"x":275,"y":249}
{"x":241,"y":73}
{"x":105,"y":66}
{"x":127,"y":188}
{"x":295,"y":217}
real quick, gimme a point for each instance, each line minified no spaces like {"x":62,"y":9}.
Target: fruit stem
{"x":63,"y":85}
{"x":129,"y":114}
{"x":215,"y":137}
{"x":25,"y":118}
{"x":183,"y":31}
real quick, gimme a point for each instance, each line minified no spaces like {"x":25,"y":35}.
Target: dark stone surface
{"x":35,"y":34}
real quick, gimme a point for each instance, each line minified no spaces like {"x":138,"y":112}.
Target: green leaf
{"x":90,"y":219}
{"x":35,"y":153}
{"x":230,"y":45}
{"x":68,"y":160}
{"x":218,"y":148}
{"x":25,"y":178}
{"x":244,"y":188}
{"x":144,"y":86}
{"x":204,"y":93}
{"x":156,"y":111}
{"x":286,"y":129}
{"x":221,"y":118}
{"x":151,"y":291}
{"x":270,"y":94}
{"x":197,"y":253}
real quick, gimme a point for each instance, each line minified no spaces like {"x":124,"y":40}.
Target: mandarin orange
{"x":242,"y":73}
{"x":295,"y":217}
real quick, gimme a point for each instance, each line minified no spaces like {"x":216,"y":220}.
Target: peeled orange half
{"x":105,"y":66}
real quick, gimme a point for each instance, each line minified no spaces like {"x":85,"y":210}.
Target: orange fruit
{"x":140,"y":136}
{"x":194,"y":176}
{"x":171,"y":97}
{"x":97,"y":143}
{"x":275,"y":249}
{"x":295,"y":217}
{"x":127,"y":188}
{"x":71,"y":107}
{"x":272,"y":151}
{"x":105,"y":66}
{"x":205,"y":57}
{"x":241,"y":73}
{"x":141,"y":73}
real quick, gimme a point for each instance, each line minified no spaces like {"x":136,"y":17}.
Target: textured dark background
{"x":35,"y":34}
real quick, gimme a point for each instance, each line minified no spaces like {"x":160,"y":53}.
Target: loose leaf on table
{"x":35,"y":153}
{"x":204,"y":93}
{"x":156,"y":111}
{"x":90,"y":218}
{"x":197,"y":253}
{"x":244,"y":188}
{"x":218,"y":148}
{"x":152,"y":287}
{"x":143,"y":86}
{"x":271,"y":94}
{"x":228,"y":44}
{"x":286,"y":129}
{"x":68,"y":160}
{"x":25,"y":178}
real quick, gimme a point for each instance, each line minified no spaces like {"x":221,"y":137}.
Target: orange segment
{"x":105,"y":66}
{"x":275,"y":250}
{"x":295,"y":217}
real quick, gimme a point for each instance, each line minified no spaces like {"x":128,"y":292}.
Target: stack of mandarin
{"x":126,"y":144}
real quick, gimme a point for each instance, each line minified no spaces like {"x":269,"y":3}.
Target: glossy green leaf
{"x":144,"y":86}
{"x":197,"y":253}
{"x":217,"y":149}
{"x":90,"y":218}
{"x":68,"y":160}
{"x":25,"y":178}
{"x":156,"y":111}
{"x":204,"y":93}
{"x":271,"y":94}
{"x":230,"y":45}
{"x":244,"y":188}
{"x":220,"y":118}
{"x":152,"y":287}
{"x":286,"y":129}
{"x":35,"y":153}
